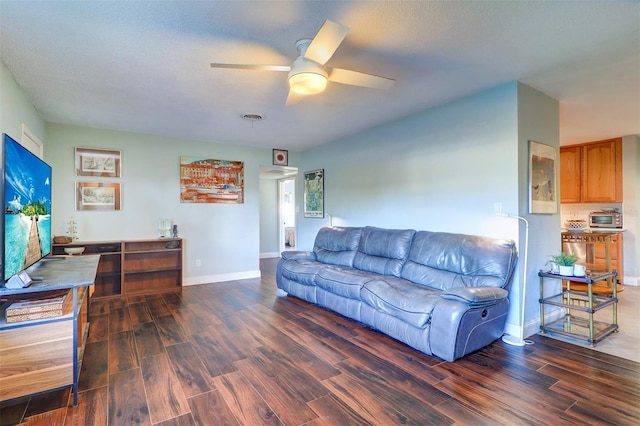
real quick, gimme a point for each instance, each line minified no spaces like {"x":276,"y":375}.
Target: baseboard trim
{"x":218,"y":278}
{"x":532,"y":327}
{"x":269,"y":255}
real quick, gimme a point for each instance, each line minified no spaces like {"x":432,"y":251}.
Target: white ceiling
{"x":143,"y":66}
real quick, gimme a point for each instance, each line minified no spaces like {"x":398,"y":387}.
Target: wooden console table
{"x":44,"y":354}
{"x":130,"y":267}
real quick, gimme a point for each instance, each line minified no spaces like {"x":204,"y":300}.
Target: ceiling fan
{"x":308,"y":74}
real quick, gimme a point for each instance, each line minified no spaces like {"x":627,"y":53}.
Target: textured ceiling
{"x":144,"y":66}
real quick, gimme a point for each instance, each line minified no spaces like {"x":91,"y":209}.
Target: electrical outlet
{"x":198,"y":263}
{"x":497,"y":208}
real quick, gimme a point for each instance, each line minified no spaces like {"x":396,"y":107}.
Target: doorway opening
{"x":287,"y":213}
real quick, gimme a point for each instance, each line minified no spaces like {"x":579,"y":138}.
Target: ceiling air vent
{"x":253,"y":117}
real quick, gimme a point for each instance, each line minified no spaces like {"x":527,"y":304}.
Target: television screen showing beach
{"x":27,"y":209}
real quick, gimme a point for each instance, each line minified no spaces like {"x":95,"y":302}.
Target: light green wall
{"x":224,"y":237}
{"x":16,"y":109}
{"x":269,"y":218}
{"x":538,"y":120}
{"x":440,"y":170}
{"x":631,"y":207}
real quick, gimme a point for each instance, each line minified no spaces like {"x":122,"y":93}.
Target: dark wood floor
{"x":236,"y":353}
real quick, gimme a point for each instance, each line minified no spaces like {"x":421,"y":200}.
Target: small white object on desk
{"x":579,"y":270}
{"x":74,"y":250}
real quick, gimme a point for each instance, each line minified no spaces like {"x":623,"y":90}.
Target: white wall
{"x":442,"y":170}
{"x":224,"y":237}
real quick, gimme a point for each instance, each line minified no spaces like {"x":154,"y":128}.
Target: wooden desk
{"x":45,"y":354}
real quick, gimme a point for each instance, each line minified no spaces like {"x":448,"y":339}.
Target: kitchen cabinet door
{"x":570,"y":166}
{"x":602,"y":172}
{"x":615,"y":251}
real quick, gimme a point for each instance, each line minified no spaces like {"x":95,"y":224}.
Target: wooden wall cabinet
{"x":133,"y":266}
{"x":570,"y":170}
{"x":591,"y":172}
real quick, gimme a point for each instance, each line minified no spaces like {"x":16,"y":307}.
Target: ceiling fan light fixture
{"x":308,"y":83}
{"x":307,"y":77}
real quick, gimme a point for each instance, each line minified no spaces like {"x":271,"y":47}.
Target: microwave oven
{"x":605,"y":219}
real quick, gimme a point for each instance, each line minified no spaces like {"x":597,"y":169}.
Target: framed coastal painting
{"x":314,"y":194}
{"x":204,"y":180}
{"x":97,"y":162}
{"x":101,"y":196}
{"x":543,"y":187}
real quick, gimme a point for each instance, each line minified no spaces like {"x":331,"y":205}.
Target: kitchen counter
{"x":594,"y":231}
{"x":598,"y":250}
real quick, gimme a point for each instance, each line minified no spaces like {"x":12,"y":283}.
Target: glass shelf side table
{"x":573,"y":302}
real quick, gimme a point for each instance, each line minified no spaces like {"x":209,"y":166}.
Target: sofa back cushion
{"x":443,"y":261}
{"x":337,"y":245}
{"x":383,"y":251}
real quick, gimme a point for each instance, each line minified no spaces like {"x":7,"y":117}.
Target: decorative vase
{"x":567,"y":271}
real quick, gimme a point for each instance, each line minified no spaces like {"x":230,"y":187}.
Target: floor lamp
{"x":519,"y":340}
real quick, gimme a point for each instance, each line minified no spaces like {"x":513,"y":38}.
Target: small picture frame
{"x":100,"y":196}
{"x":280,"y":157}
{"x":97,"y":162}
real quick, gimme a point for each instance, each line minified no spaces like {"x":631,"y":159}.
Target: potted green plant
{"x":565,"y":262}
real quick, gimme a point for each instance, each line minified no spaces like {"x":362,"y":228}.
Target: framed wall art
{"x":314,"y":193}
{"x":97,"y":162}
{"x":280,"y":157}
{"x":102,"y":196}
{"x":543,"y":167}
{"x":211,"y":181}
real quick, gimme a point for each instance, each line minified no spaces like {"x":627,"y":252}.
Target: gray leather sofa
{"x":443,"y":294}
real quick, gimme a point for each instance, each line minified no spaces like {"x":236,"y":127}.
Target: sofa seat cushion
{"x":412,"y":303}
{"x":343,"y":281}
{"x":302,"y":271}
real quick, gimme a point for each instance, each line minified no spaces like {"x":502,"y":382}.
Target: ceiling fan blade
{"x":356,"y":78}
{"x":258,"y":67}
{"x":293,"y":98}
{"x":326,"y":41}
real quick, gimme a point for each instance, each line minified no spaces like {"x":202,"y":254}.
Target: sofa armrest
{"x":466,"y":319}
{"x":298,"y":255}
{"x":476,"y":296}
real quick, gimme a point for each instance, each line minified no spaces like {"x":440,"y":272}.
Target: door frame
{"x":281,"y":211}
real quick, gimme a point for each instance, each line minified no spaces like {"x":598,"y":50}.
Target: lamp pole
{"x":507,"y":338}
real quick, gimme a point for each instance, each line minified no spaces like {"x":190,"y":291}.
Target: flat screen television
{"x":26,"y":199}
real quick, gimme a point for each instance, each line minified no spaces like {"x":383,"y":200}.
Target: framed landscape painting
{"x":97,"y":162}
{"x":205,"y":180}
{"x":314,"y":193}
{"x":543,"y":167}
{"x":101,"y":196}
